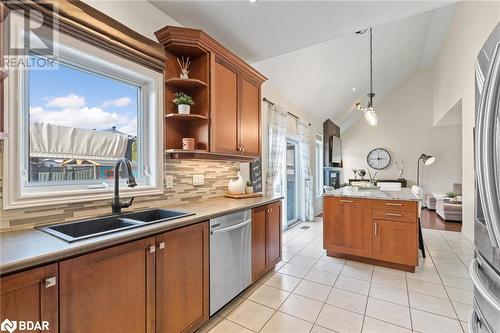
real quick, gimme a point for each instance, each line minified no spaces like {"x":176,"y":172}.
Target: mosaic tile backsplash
{"x":217,"y":175}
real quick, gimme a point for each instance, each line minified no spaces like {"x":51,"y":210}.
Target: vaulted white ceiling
{"x":309,"y":51}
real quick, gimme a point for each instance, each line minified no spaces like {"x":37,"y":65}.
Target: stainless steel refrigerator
{"x":485,"y":268}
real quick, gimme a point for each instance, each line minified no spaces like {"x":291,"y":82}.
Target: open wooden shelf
{"x":185,"y":83}
{"x":179,"y":154}
{"x":187,"y":117}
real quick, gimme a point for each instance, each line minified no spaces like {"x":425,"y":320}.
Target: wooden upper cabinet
{"x":395,"y":242}
{"x":110,"y":290}
{"x":347,"y":226}
{"x":273,"y":233}
{"x":182,"y":279}
{"x":31,"y":295}
{"x":249,"y":117}
{"x":224,"y":134}
{"x":234,"y":95}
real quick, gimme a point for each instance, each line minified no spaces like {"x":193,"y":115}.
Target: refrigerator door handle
{"x":485,"y":148}
{"x":476,"y":319}
{"x":473,"y":321}
{"x":480,"y":286}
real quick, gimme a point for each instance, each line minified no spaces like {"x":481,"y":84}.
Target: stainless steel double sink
{"x":84,"y":229}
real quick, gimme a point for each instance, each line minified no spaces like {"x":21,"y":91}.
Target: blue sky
{"x":71,"y":97}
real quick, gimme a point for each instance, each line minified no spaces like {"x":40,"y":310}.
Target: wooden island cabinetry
{"x":383,"y":232}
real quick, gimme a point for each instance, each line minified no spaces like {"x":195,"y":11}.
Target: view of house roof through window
{"x":80,"y":124}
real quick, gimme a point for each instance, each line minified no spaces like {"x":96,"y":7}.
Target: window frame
{"x":86,"y":57}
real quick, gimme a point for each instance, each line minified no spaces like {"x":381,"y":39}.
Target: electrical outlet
{"x":198,"y":180}
{"x":169,"y":181}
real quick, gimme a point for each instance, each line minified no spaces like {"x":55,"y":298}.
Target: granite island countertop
{"x":348,"y":191}
{"x":27,"y":248}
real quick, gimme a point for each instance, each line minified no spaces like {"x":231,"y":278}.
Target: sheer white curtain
{"x":305,"y":163}
{"x":277,"y":149}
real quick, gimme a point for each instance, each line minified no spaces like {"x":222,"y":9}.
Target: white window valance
{"x":62,"y":142}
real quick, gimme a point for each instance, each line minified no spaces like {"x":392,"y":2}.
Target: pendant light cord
{"x":371,"y":68}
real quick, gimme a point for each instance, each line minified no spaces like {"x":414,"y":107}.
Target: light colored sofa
{"x":449,"y":211}
{"x":430,"y":199}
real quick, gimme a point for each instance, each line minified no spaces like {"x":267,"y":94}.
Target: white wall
{"x":138,"y":15}
{"x":273,"y":95}
{"x":454,"y":80}
{"x":405,"y":128}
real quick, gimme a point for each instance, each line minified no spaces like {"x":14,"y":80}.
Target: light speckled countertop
{"x":27,"y":248}
{"x":405,"y":194}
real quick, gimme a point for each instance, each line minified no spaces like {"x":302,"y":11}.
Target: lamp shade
{"x":427,"y":159}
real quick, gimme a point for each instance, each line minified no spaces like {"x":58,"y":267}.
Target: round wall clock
{"x":378,"y":158}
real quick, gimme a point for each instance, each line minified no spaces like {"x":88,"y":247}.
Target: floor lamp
{"x":428,"y":160}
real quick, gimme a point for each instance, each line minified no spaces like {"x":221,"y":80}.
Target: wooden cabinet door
{"x":224,"y":110}
{"x":347,"y":226}
{"x":259,"y":242}
{"x":31,"y":295}
{"x":395,"y":242}
{"x":182,"y":279}
{"x":273,"y":234}
{"x":249,"y":117}
{"x":110,"y":290}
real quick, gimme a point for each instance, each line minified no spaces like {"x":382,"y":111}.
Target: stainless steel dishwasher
{"x":230,"y":257}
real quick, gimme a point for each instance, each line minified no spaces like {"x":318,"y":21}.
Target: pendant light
{"x":369,"y":112}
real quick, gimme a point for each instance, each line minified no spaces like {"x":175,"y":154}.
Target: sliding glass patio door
{"x":291,"y":175}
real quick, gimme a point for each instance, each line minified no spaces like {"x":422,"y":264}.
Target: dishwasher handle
{"x":233,"y":227}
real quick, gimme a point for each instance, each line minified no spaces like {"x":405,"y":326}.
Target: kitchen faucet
{"x":116,"y":204}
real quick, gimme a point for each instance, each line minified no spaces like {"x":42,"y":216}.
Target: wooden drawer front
{"x":393,"y":215}
{"x":407,"y":206}
{"x":346,"y":200}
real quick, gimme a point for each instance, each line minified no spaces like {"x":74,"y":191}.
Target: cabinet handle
{"x":393,"y":204}
{"x":161,"y":246}
{"x":393,"y":214}
{"x":50,"y":282}
{"x":375,"y":226}
{"x":152,"y":249}
{"x":347,"y":201}
{"x":269,"y":210}
{"x":241,"y":149}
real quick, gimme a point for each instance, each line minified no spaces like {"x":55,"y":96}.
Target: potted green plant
{"x":452,"y":196}
{"x":249,"y":187}
{"x":183,"y":102}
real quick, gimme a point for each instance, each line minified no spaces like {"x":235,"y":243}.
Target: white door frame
{"x":299,"y":207}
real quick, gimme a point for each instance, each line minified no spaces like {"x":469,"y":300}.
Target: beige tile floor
{"x":310,"y":292}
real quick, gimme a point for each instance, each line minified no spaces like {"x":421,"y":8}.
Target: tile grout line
{"x":367,"y":299}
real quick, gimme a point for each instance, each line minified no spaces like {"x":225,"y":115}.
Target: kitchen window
{"x":75,"y":120}
{"x":319,"y":165}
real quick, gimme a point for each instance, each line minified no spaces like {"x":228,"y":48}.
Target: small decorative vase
{"x":184,"y":109}
{"x":184,"y":74}
{"x":249,"y":190}
{"x":237,"y":186}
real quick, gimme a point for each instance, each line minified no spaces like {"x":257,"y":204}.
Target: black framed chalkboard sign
{"x":256,"y":175}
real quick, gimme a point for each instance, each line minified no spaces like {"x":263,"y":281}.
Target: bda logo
{"x":8,"y":325}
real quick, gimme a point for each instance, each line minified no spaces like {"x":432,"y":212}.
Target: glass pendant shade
{"x":371,"y":117}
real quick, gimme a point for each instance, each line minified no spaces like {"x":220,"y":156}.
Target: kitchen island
{"x":372,"y":226}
